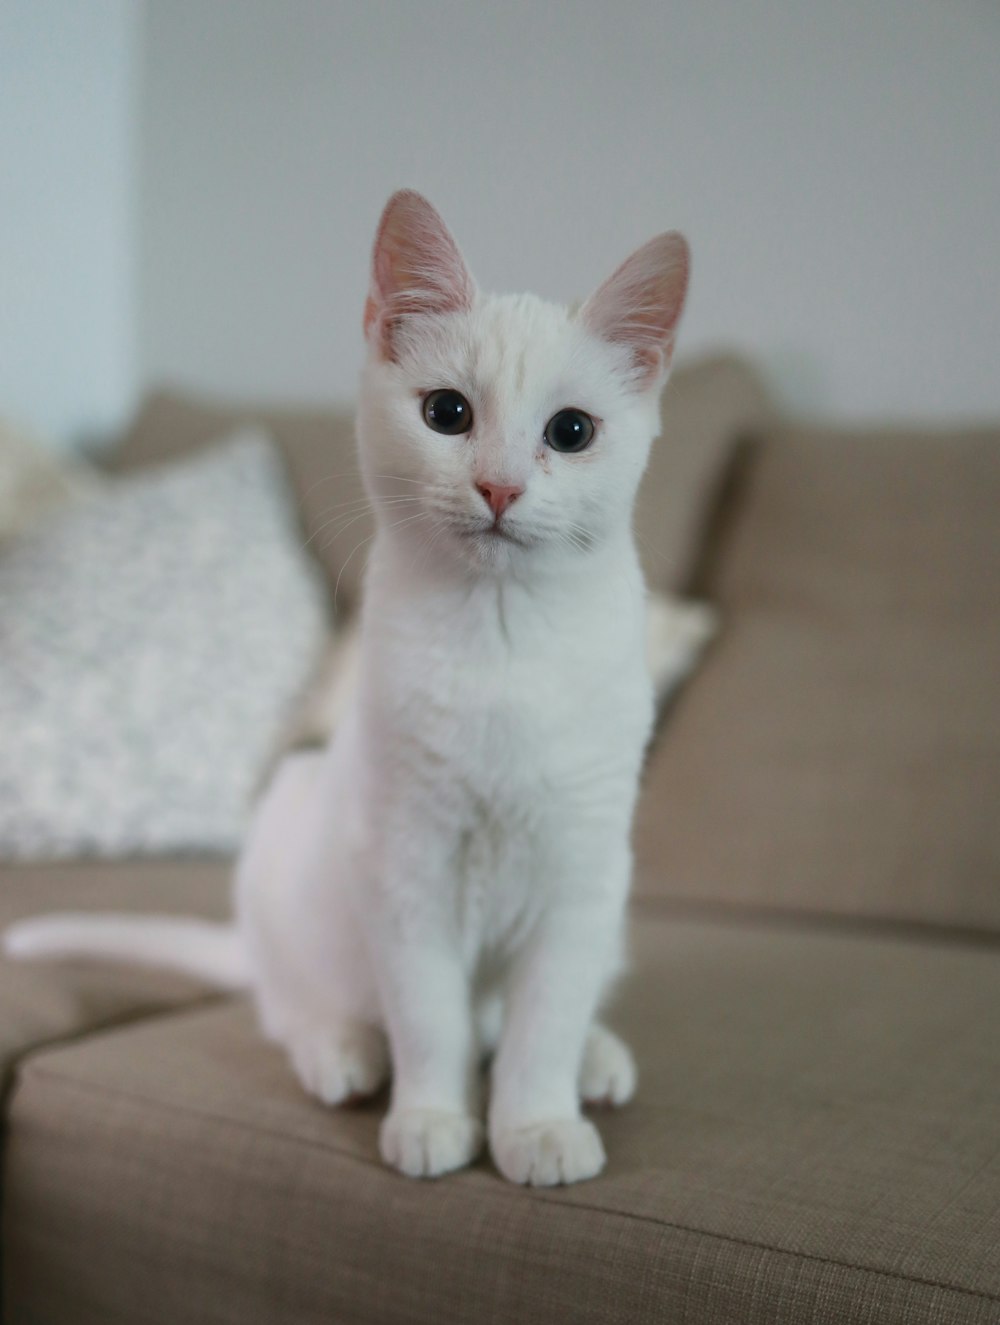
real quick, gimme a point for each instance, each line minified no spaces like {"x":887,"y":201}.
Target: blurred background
{"x":189,"y":190}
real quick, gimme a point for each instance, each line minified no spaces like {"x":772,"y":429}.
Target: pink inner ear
{"x":640,"y":305}
{"x":416,"y":268}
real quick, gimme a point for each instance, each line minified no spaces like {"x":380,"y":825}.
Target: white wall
{"x":835,"y":166}
{"x":67,"y":194}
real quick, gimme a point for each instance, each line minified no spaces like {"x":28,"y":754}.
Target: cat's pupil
{"x":569,"y":430}
{"x":447,"y":411}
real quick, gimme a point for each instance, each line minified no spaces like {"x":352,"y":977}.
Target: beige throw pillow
{"x":34,"y":478}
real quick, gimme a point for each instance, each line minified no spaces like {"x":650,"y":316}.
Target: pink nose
{"x":498,"y":497}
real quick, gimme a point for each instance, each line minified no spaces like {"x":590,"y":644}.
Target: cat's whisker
{"x":425,"y":544}
{"x":338,"y":505}
{"x":356,"y":474}
{"x":355,"y":514}
{"x":406,"y":520}
{"x":364,"y":501}
{"x":567,"y":536}
{"x":326,"y":518}
{"x":431,"y":540}
{"x":336,"y":533}
{"x":653,"y":551}
{"x":336,"y":588}
{"x":345,"y":521}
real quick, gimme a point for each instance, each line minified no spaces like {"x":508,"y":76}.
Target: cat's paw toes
{"x":547,"y":1154}
{"x":340,"y":1065}
{"x":424,"y":1143}
{"x":608,"y":1073}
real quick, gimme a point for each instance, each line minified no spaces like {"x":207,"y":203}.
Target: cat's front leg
{"x":433,"y":1124}
{"x":537,"y":1132}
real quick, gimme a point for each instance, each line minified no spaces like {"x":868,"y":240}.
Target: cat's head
{"x":501,"y":427}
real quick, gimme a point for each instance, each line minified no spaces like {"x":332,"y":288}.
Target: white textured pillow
{"x":152,"y":642}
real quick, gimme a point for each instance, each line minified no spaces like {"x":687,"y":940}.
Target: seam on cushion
{"x":309,"y":1144}
{"x":923,"y":933}
{"x":12,"y":1068}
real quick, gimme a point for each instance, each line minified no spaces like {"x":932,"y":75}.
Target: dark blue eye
{"x":569,"y":430}
{"x":448,"y":412}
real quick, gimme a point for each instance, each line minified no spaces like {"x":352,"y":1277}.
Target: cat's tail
{"x":203,"y":948}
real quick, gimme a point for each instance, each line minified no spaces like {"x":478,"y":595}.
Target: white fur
{"x":677,"y":632}
{"x":448,"y":880}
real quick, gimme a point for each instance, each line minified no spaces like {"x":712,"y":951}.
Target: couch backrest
{"x":839,"y":751}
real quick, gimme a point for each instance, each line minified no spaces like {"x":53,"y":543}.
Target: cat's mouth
{"x":491,"y":535}
{"x":500,"y":533}
{"x":506,"y":535}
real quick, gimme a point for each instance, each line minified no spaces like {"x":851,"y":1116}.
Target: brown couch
{"x":815,"y":988}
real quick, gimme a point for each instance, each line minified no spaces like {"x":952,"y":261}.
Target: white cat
{"x":448,"y":880}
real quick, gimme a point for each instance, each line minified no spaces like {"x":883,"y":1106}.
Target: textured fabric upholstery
{"x":54,"y":1001}
{"x":839,"y":748}
{"x":814,"y":1139}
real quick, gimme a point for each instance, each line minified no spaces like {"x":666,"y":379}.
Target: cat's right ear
{"x":416,"y":268}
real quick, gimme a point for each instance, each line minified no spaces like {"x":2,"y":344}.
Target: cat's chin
{"x":494,"y":548}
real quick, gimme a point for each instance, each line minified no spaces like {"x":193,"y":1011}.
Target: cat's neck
{"x":551,"y":592}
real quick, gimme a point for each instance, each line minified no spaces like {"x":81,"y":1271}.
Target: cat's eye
{"x":569,"y":430}
{"x":447,"y":411}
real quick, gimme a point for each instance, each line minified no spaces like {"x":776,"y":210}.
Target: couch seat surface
{"x":45,"y":1001}
{"x":815,"y":1139}
{"x":839,"y":750}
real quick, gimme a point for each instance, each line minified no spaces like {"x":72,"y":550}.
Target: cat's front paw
{"x":547,"y":1154}
{"x":608,"y":1072}
{"x":424,"y":1143}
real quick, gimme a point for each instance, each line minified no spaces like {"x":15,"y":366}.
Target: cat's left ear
{"x":416,"y":268}
{"x":640,"y":305}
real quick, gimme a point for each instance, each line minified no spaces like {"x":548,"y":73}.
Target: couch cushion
{"x":839,"y":749}
{"x":45,"y":1001}
{"x":814,"y":1138}
{"x":708,"y":407}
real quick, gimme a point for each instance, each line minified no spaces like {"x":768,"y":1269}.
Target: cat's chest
{"x":514,"y":733}
{"x":495,"y":869}
{"x":509,"y":727}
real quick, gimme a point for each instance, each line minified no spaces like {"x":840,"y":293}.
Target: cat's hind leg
{"x":608,"y":1073}
{"x":338,"y":1060}
{"x":312,"y":981}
